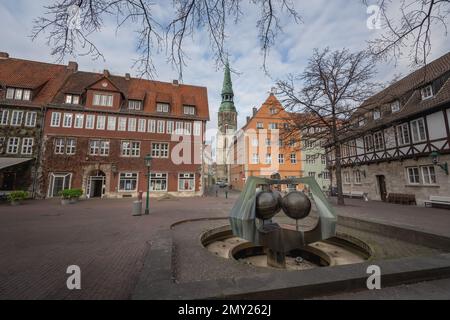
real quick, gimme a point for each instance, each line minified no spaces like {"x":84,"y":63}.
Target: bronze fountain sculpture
{"x":251,"y":217}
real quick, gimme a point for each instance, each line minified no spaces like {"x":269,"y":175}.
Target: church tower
{"x":227,"y":126}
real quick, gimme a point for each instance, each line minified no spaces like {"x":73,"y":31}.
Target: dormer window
{"x":103,"y":100}
{"x":18,"y":94}
{"x":72,"y":99}
{"x":189,"y":110}
{"x":273,"y":111}
{"x":427,"y":92}
{"x":162,"y":107}
{"x":395,"y":106}
{"x":376,"y":114}
{"x":134,"y":105}
{"x":361,"y":121}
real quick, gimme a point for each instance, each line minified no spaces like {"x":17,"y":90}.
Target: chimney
{"x":255,"y":110}
{"x":273,"y":91}
{"x":175,"y":83}
{"x":127,"y":76}
{"x":106,"y":72}
{"x":248,"y":119}
{"x":73,"y":66}
{"x":4,"y":55}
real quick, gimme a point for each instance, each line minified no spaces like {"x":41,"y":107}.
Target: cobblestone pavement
{"x":40,"y":239}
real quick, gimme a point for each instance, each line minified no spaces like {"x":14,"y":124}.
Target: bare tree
{"x":155,"y":33}
{"x":409,"y":28}
{"x":332,"y":86}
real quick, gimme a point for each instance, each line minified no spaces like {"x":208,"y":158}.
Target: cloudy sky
{"x":335,"y":24}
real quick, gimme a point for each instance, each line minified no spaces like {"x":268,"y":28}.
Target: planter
{"x":65,"y":201}
{"x":73,"y":200}
{"x":15,"y":203}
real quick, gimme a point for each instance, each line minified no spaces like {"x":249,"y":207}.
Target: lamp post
{"x":148,"y":163}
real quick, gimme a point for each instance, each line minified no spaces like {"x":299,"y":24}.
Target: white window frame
{"x":395,"y":106}
{"x":79,"y":121}
{"x":13,"y":145}
{"x":142,"y":125}
{"x":161,"y":126}
{"x":427,"y":175}
{"x":52,"y":182}
{"x":111,"y":126}
{"x":189,"y":110}
{"x":184,"y":174}
{"x":4,"y":116}
{"x":158,"y":151}
{"x":67,"y":120}
{"x":255,"y":158}
{"x":151,"y":126}
{"x":101,"y":123}
{"x":71,"y":148}
{"x":169,"y":127}
{"x":132,"y":123}
{"x":403,"y":137}
{"x":60,"y":146}
{"x":427,"y":92}
{"x":159,"y":176}
{"x":122,"y":124}
{"x":135,"y":105}
{"x":56,"y":119}
{"x":128,"y":176}
{"x":16,"y":118}
{"x":408,"y":176}
{"x":27,"y":146}
{"x":30,"y":119}
{"x":281,"y":158}
{"x":293,"y":158}
{"x":415,"y":130}
{"x":162,"y":107}
{"x":103,"y":100}
{"x":197,"y":128}
{"x":90,"y":121}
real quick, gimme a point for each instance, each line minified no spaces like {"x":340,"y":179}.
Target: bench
{"x":402,"y":198}
{"x":354,"y":194}
{"x":438,"y":202}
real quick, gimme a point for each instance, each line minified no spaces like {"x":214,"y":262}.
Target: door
{"x":382,"y":185}
{"x":9,"y":179}
{"x":96,"y":185}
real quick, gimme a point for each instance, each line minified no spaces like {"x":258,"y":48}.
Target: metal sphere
{"x":268,"y":204}
{"x":296,"y":205}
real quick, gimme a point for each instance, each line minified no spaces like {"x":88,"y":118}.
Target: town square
{"x":240,"y":150}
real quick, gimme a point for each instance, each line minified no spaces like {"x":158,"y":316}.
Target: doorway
{"x":9,"y":179}
{"x":382,"y":187}
{"x":96,"y":184}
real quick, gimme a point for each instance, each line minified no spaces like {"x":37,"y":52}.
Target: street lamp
{"x":148,"y":163}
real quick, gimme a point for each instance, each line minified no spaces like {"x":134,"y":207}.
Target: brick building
{"x":93,"y":130}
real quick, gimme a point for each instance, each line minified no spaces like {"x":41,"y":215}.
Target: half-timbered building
{"x":400,"y":141}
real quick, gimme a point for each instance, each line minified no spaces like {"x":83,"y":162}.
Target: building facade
{"x":75,"y":129}
{"x":401,"y":140}
{"x":26,"y":87}
{"x":260,"y":150}
{"x":227,"y":126}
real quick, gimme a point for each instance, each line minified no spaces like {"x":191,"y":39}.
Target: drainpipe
{"x":38,"y":151}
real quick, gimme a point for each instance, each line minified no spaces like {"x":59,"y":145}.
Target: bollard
{"x":226,"y":194}
{"x":137,"y":208}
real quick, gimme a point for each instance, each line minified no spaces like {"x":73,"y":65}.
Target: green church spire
{"x":227,"y":91}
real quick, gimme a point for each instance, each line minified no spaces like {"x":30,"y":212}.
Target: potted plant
{"x":16,"y":197}
{"x":70,"y":196}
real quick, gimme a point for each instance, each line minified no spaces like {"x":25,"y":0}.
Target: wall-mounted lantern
{"x":435,"y":158}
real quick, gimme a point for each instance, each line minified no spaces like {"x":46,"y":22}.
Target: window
{"x":131,"y":149}
{"x":310,"y":159}
{"x":72,"y":99}
{"x":16,"y":118}
{"x":255,"y":142}
{"x":30,"y":119}
{"x":187,"y":128}
{"x":292,"y":143}
{"x":189,"y":110}
{"x":308,"y":144}
{"x":378,"y":142}
{"x":111,"y":123}
{"x":428,"y":175}
{"x":2,"y":144}
{"x":323,"y":159}
{"x":293,"y":158}
{"x":347,"y":179}
{"x":427,"y":92}
{"x":326,"y":175}
{"x":186,"y":182}
{"x":101,"y":122}
{"x":58,"y":183}
{"x":99,"y":147}
{"x":103,"y":100}
{"x":376,"y":114}
{"x":268,"y":142}
{"x":142,"y":125}
{"x":281,"y":158}
{"x":197,"y":128}
{"x":161,"y":126}
{"x":67,"y":120}
{"x":268,"y":158}
{"x":169,"y":127}
{"x":4,"y":117}
{"x":312,"y":174}
{"x":162,"y":107}
{"x":280,"y":142}
{"x":255,"y":158}
{"x":368,"y":143}
{"x":134,"y":105}
{"x":273,"y":111}
{"x":152,"y":126}
{"x":357,"y":176}
{"x":27,"y":146}
{"x":79,"y":119}
{"x":160,"y":150}
{"x":18,"y":94}
{"x":418,"y":130}
{"x":361,"y":121}
{"x":71,"y":145}
{"x":128,"y":181}
{"x":413,"y":175}
{"x":90,"y":119}
{"x":13,"y":145}
{"x":56,"y":119}
{"x":179,"y":128}
{"x":259,"y":125}
{"x":273,"y":126}
{"x":131,"y":124}
{"x":403,"y":134}
{"x":395,"y":106}
{"x":59,"y":146}
{"x":122,"y":124}
{"x":158,"y":182}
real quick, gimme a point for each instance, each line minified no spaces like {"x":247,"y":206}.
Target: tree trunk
{"x":337,"y":156}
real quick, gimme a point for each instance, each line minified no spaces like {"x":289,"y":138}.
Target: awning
{"x":8,"y":162}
